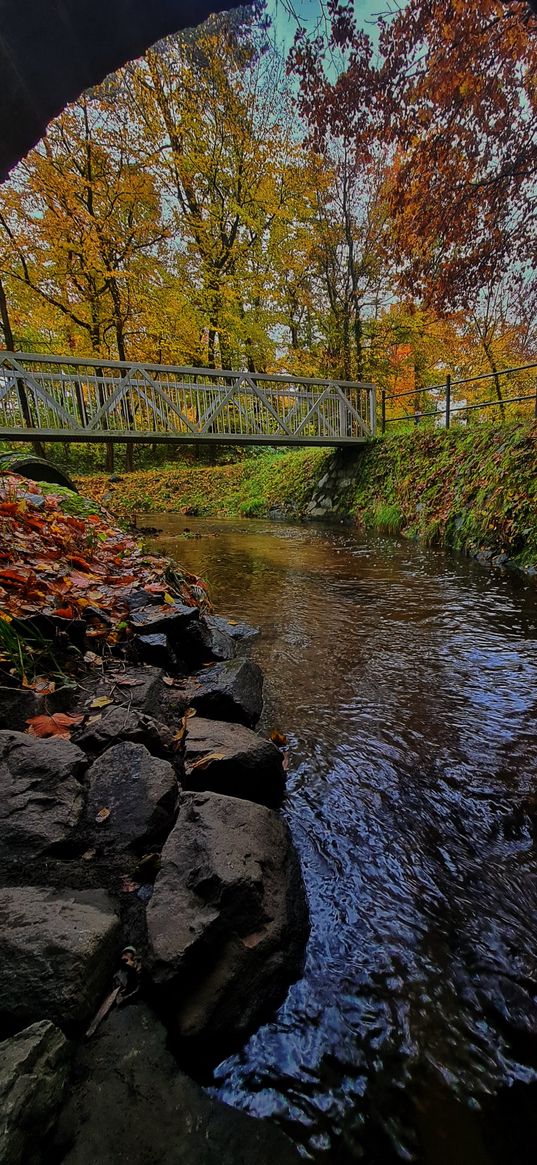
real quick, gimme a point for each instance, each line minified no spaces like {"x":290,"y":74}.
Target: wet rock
{"x":140,"y":791}
{"x":230,"y":691}
{"x":156,"y":650}
{"x":167,"y":619}
{"x":231,"y":759}
{"x":132,"y":1104}
{"x":57,"y":953}
{"x":235,"y":630}
{"x":33,"y":1070}
{"x":40,"y":795}
{"x":227,"y":921}
{"x":121,"y":723}
{"x":208,"y":641}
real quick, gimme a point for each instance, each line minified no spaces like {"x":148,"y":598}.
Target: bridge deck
{"x":60,"y":398}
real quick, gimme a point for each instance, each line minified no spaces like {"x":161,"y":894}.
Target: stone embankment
{"x":143,"y":860}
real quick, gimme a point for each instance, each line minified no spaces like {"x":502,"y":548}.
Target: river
{"x":406,"y":680}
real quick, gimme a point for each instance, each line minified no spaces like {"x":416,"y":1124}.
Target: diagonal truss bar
{"x":30,"y":382}
{"x":352,"y":410}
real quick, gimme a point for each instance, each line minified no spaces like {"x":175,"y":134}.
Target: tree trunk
{"x":37,"y":445}
{"x":495,"y":377}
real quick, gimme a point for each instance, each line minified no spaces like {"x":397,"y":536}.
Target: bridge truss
{"x":60,"y":398}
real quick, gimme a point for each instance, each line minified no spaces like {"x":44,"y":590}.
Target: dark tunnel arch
{"x":50,"y":50}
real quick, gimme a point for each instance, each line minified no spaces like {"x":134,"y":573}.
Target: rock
{"x":230,"y":691}
{"x":140,"y":791}
{"x":33,"y":1070}
{"x":40,"y":796}
{"x":231,"y":759}
{"x":235,"y":630}
{"x":207,"y":641}
{"x":120,"y":723}
{"x":57,"y":953}
{"x":133,"y":1105}
{"x":17,"y":705}
{"x":157,"y":650}
{"x":227,"y":921}
{"x":145,"y":695}
{"x":164,"y":619}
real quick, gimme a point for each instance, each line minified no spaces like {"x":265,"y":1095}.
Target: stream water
{"x":406,"y":680}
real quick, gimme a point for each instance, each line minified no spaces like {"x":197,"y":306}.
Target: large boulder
{"x":33,"y":1070}
{"x":138,"y":790}
{"x":141,"y":689}
{"x":40,"y":794}
{"x":230,"y":691}
{"x":231,"y":759}
{"x":227,"y":921}
{"x":57,"y":953}
{"x":119,"y":722}
{"x":132,"y":1106}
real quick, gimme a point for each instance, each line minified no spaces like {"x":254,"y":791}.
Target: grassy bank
{"x":472,"y":489}
{"x":249,"y":488}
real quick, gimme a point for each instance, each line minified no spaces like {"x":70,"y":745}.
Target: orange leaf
{"x":59,"y":724}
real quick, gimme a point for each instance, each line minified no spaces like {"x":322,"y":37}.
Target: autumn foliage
{"x":212,"y":204}
{"x":62,"y":568}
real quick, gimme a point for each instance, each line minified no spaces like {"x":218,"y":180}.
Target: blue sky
{"x":309,"y":11}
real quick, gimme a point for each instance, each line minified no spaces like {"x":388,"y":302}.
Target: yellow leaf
{"x":169,"y":599}
{"x":203,"y":761}
{"x":101,"y":702}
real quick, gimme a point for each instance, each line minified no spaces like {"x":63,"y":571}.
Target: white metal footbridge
{"x":63,"y":398}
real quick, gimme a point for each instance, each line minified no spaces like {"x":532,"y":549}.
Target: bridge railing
{"x":70,"y":398}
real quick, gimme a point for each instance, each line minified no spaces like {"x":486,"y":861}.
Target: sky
{"x":308,"y":12}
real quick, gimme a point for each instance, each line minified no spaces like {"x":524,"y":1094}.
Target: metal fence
{"x":447,"y":406}
{"x":70,"y":399}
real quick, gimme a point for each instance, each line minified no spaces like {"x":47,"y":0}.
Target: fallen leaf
{"x":41,"y":685}
{"x":203,"y":761}
{"x":190,"y":712}
{"x":59,"y":724}
{"x":127,"y":886}
{"x":102,"y":815}
{"x":91,"y":657}
{"x":169,"y":599}
{"x":125,"y":681}
{"x":88,"y":855}
{"x":101,"y":702}
{"x":278,"y":738}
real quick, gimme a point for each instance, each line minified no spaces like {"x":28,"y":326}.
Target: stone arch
{"x":50,"y":50}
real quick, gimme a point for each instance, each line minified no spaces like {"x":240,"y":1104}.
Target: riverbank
{"x":143,"y":858}
{"x":471,"y":489}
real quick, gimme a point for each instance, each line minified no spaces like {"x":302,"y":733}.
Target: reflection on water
{"x":407,"y":681}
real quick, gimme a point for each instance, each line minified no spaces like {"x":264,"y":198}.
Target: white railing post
{"x":373,"y":410}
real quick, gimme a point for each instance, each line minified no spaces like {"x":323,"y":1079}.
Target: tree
{"x":454,"y":94}
{"x":463,"y":105}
